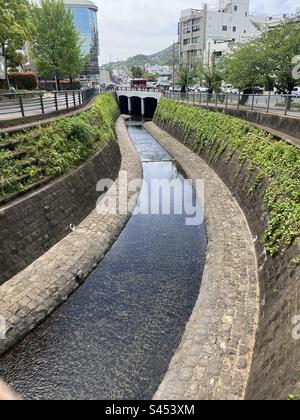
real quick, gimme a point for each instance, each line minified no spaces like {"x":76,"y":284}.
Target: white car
{"x":296,"y":92}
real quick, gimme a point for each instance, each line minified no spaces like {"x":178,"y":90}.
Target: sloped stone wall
{"x":275,"y":370}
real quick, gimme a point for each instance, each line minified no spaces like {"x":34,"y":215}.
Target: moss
{"x":51,"y":150}
{"x":275,"y":160}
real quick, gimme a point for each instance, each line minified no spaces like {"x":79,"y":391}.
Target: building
{"x":207,"y":31}
{"x":85,"y":19}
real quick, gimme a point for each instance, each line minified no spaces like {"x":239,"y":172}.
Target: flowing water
{"x":114,"y":338}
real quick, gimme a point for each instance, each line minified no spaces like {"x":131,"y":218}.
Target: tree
{"x":187,"y":73}
{"x":212,"y":77}
{"x":267,"y":61}
{"x":56,"y":43}
{"x":15,"y":29}
{"x":137,"y":72}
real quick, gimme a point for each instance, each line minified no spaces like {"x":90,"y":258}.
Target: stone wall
{"x":31,"y":225}
{"x":275,"y":370}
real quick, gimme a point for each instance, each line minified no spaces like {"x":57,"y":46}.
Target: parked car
{"x":296,"y":92}
{"x":202,"y":90}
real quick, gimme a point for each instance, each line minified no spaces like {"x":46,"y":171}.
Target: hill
{"x":162,"y":58}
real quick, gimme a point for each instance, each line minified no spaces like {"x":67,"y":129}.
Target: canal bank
{"x":115,"y":336}
{"x":214,"y":358}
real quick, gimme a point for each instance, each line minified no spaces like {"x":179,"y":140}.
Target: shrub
{"x":54,"y":149}
{"x":276,"y":160}
{"x":23,"y":81}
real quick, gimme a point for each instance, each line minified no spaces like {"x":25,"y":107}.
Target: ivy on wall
{"x":268,"y":158}
{"x":52,"y":150}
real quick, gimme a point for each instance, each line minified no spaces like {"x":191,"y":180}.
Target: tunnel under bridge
{"x":138,"y":103}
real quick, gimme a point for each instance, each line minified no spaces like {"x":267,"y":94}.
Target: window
{"x":186,"y":41}
{"x":186,"y":31}
{"x":196,"y":21}
{"x":235,"y":8}
{"x":224,"y":28}
{"x":196,"y":28}
{"x":246,"y":14}
{"x":196,"y":40}
{"x":245,"y":31}
{"x":234,"y":29}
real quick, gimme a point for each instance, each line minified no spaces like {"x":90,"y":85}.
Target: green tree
{"x":266,"y":61}
{"x":137,"y":72}
{"x":187,"y":74}
{"x":15,"y":29}
{"x":56,"y":43}
{"x":212,"y":77}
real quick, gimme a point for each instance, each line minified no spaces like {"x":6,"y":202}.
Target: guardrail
{"x":281,"y":104}
{"x":14,"y":105}
{"x":136,"y":89}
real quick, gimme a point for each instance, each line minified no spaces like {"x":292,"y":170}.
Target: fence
{"x":38,"y":103}
{"x":282,"y":104}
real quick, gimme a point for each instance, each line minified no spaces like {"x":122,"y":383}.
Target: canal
{"x":114,"y":338}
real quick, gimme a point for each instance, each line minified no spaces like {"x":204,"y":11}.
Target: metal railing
{"x":14,"y":105}
{"x":281,"y":104}
{"x":137,"y":89}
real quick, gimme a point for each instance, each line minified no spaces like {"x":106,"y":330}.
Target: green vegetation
{"x":137,"y":72}
{"x":15,"y":29}
{"x":217,"y":133}
{"x":162,"y":58}
{"x":266,"y":60}
{"x":56,"y":42}
{"x":187,"y":74}
{"x":49,"y":151}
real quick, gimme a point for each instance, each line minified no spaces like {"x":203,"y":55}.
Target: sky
{"x":130,"y":27}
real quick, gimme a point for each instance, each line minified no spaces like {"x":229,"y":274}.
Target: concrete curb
{"x":33,"y":294}
{"x":214,"y":358}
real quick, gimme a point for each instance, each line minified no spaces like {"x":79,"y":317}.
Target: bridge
{"x":139,"y":102}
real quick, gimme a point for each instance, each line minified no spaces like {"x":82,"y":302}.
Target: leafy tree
{"x":212,"y":77}
{"x":56,"y":42}
{"x":266,"y":60}
{"x":187,"y":73}
{"x":137,"y":72}
{"x":15,"y":29}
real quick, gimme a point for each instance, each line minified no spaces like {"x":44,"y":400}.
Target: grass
{"x":269,"y":158}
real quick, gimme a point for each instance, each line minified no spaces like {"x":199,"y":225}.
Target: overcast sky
{"x":130,"y":27}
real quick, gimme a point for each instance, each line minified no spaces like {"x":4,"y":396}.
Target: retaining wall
{"x":279,"y":123}
{"x":31,"y":225}
{"x":275,"y":370}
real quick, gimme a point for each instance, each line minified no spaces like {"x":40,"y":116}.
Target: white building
{"x":201,"y":30}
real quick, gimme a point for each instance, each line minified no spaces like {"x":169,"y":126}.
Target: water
{"x":114,"y":338}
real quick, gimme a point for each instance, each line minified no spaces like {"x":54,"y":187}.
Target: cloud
{"x":129,"y":27}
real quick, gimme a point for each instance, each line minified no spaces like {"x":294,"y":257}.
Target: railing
{"x":14,"y":105}
{"x":282,"y":104}
{"x":136,"y":89}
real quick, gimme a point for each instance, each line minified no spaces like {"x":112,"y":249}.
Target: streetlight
{"x":4,"y":49}
{"x":174,"y":43}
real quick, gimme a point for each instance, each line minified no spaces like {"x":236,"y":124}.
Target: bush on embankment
{"x":51,"y":150}
{"x":216,"y":134}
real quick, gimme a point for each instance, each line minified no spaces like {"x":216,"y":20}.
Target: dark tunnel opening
{"x":136,"y":106}
{"x":123,"y":102}
{"x":150,"y":107}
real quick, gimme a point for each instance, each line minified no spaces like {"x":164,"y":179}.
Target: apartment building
{"x":208,"y":31}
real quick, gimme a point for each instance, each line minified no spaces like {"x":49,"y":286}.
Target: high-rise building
{"x":85,"y":19}
{"x":200,"y":31}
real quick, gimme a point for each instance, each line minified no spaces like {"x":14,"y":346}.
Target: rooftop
{"x":81,"y":3}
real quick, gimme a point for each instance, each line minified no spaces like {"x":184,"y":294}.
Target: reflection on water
{"x":115,"y":337}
